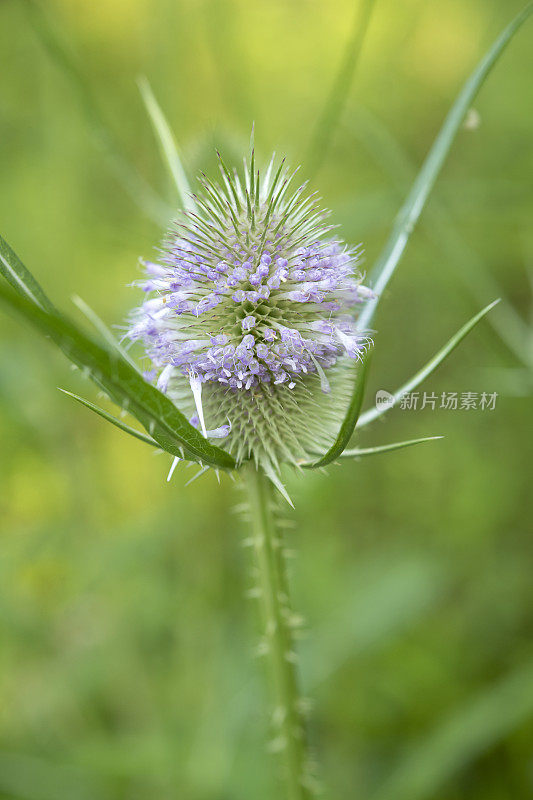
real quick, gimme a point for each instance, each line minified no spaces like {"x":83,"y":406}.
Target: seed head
{"x":250,"y":319}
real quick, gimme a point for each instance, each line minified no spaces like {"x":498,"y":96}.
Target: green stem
{"x":278,"y":643}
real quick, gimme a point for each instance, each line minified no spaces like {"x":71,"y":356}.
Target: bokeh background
{"x":126,"y":663}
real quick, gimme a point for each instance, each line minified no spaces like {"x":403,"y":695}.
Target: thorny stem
{"x":278,"y":642}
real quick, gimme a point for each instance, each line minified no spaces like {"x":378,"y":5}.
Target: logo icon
{"x":384,"y":399}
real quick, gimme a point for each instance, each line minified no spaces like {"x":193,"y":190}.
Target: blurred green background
{"x":126,"y":664}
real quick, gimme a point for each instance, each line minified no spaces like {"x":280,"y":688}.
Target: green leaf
{"x":385,"y":448}
{"x":110,"y":418}
{"x":125,"y":386}
{"x":167,"y":144}
{"x":20,"y":278}
{"x":466,"y":734}
{"x":425,"y":180}
{"x":350,"y":420}
{"x":336,"y":99}
{"x":427,"y":369}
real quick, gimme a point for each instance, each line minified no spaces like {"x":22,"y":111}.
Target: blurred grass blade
{"x":113,"y":420}
{"x":385,"y":448}
{"x":350,"y":420}
{"x":102,"y":328}
{"x":124,"y":385}
{"x":389,"y":154}
{"x":376,"y":602}
{"x":167,"y":145}
{"x":136,"y":186}
{"x":20,"y":278}
{"x":336,"y":99}
{"x":464,"y":736}
{"x":425,"y":180}
{"x":431,"y":366}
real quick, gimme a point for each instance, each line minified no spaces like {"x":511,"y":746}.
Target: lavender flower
{"x":250,"y":317}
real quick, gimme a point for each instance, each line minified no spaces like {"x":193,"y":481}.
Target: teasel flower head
{"x":250,"y":321}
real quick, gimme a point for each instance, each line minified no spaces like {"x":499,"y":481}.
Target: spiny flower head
{"x":250,"y":320}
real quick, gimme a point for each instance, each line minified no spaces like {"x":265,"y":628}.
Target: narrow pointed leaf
{"x":167,"y":144}
{"x":194,"y":478}
{"x":385,"y":448}
{"x":276,"y":481}
{"x":427,"y":369}
{"x":350,"y":420}
{"x":113,"y":420}
{"x":125,"y":386}
{"x":20,"y":278}
{"x":425,"y":180}
{"x":102,"y":328}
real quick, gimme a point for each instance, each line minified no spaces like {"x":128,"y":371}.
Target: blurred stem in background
{"x":513,"y":330}
{"x":278,"y":645}
{"x":409,"y":213}
{"x":389,"y":154}
{"x":338,"y":95}
{"x":125,"y":172}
